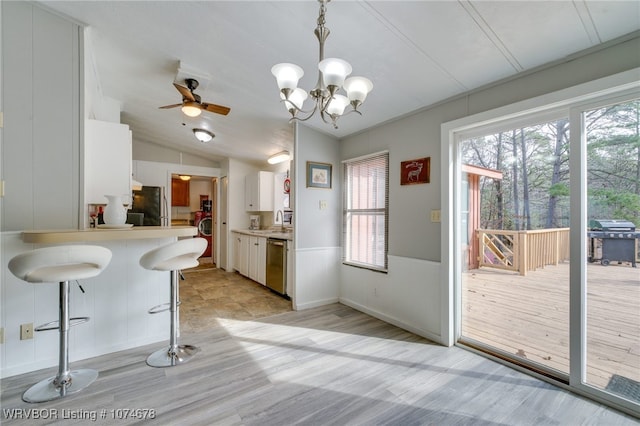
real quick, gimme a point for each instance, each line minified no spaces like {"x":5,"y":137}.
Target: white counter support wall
{"x":116,"y":300}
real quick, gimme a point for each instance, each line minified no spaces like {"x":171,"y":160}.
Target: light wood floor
{"x":330,"y":365}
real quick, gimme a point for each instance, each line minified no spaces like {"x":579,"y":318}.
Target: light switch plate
{"x":323,"y":204}
{"x":435,"y":215}
{"x":26,"y":331}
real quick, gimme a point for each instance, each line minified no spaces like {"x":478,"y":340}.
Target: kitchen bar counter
{"x":106,"y":234}
{"x":267,"y":233}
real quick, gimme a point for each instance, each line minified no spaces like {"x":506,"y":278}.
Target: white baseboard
{"x":315,"y":304}
{"x":391,"y":320}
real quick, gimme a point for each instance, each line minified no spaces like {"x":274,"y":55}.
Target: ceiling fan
{"x":192,"y":104}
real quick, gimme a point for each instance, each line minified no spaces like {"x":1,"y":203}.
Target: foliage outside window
{"x":366,"y":211}
{"x":534,"y":193}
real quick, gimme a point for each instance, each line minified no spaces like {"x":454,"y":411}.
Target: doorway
{"x":198,"y":207}
{"x":540,"y":298}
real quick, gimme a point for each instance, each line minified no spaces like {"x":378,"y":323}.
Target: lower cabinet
{"x":258,"y":259}
{"x":241,"y":253}
{"x":250,"y":256}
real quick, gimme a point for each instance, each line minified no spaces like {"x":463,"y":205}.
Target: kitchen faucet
{"x":279,"y":213}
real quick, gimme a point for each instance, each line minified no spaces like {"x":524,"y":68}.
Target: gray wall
{"x":41,"y":80}
{"x":418,"y":135}
{"x":317,"y":232}
{"x":415,"y":293}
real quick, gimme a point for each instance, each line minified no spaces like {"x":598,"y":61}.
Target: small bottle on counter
{"x":100,"y":216}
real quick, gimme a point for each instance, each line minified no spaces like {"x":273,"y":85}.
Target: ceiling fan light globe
{"x":203,"y":135}
{"x":357,"y":88}
{"x":337,"y":105}
{"x":287,"y":75}
{"x":191,"y":110}
{"x":334,"y":71}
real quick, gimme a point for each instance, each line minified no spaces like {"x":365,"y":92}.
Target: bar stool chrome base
{"x":61,"y":264}
{"x":170,"y":357}
{"x":49,"y":389}
{"x":172,"y":258}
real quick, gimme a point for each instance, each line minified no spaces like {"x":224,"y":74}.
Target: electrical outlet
{"x":26,"y":331}
{"x":1,"y":335}
{"x":323,"y":204}
{"x":435,"y":215}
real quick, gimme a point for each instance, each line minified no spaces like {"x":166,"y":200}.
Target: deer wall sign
{"x":415,"y":171}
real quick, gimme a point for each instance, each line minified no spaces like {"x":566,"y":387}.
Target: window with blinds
{"x":366,"y":211}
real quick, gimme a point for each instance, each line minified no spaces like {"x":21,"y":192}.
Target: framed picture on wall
{"x":318,"y":175}
{"x":415,"y":171}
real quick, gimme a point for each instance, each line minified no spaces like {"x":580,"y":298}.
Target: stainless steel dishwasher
{"x":277,"y":265}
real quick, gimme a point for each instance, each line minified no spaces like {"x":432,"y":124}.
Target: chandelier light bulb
{"x":357,"y":88}
{"x":287,"y":75}
{"x":190,"y":109}
{"x":337,"y":105}
{"x":334,"y":71}
{"x":296,"y":99}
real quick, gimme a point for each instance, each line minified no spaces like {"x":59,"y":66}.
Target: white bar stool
{"x":173,"y":257}
{"x":61,"y":264}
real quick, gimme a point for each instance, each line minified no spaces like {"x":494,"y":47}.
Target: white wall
{"x":151,"y":173}
{"x":147,"y":151}
{"x":117,"y":301}
{"x":41,"y":80}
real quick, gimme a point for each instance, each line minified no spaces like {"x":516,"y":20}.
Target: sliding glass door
{"x":546,"y":211}
{"x":611,"y":293}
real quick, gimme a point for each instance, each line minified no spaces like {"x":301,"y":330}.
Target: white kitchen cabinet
{"x":241,"y":253}
{"x":250,"y":256}
{"x":258,"y":191}
{"x":107,"y":160}
{"x":258,"y":259}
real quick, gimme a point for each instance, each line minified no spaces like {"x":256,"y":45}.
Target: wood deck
{"x":528,"y":316}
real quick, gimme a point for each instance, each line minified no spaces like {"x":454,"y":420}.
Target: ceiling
{"x":416,"y":53}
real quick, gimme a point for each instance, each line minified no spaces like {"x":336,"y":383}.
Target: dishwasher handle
{"x":276,"y":242}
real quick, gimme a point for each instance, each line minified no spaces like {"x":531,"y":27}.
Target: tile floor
{"x":208,"y":294}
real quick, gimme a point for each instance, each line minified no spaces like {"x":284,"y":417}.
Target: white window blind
{"x":365,"y":214}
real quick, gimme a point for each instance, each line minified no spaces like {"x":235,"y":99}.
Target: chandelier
{"x":331,"y":78}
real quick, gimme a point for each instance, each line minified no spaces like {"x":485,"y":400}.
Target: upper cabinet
{"x":258,"y":192}
{"x":107,"y":160}
{"x":179,"y":192}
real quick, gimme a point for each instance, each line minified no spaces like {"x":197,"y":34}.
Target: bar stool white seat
{"x":173,"y":257}
{"x":61,"y":264}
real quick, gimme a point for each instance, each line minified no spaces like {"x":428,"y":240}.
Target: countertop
{"x":106,"y":234}
{"x":267,"y":233}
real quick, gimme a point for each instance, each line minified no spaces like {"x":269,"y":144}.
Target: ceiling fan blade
{"x":186,"y":93}
{"x":218,"y":109}
{"x":170,"y":106}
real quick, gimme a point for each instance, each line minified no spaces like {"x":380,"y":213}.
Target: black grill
{"x":618,"y":239}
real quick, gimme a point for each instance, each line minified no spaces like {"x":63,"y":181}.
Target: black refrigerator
{"x":148,"y":201}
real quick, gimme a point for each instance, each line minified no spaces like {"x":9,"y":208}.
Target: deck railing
{"x":523,"y":251}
